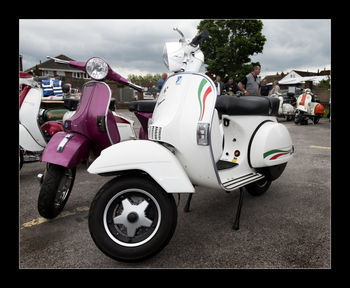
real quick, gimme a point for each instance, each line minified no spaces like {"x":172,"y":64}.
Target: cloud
{"x":136,"y":45}
{"x":295,"y":44}
{"x":133,"y":45}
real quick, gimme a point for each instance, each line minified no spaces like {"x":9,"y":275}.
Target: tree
{"x":147,"y":79}
{"x":229,"y":45}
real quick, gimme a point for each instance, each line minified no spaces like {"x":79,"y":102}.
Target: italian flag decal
{"x":203,"y":91}
{"x":276,"y":153}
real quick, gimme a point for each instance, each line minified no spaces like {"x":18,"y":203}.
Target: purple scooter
{"x":91,"y":129}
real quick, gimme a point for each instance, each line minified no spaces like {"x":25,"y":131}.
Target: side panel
{"x":76,"y":149}
{"x":147,"y":156}
{"x":28,"y":114}
{"x":271,"y":145}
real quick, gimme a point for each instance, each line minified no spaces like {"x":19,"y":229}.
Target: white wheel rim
{"x":129,"y":208}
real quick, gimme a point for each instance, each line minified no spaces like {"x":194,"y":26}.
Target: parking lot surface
{"x":287,"y":227}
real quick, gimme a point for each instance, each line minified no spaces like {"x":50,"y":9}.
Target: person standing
{"x":219,"y":86}
{"x":250,"y":84}
{"x":231,"y":87}
{"x":161,"y":81}
{"x":275,"y":88}
{"x":264,"y":89}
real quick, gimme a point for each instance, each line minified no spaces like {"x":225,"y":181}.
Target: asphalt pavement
{"x":287,"y":227}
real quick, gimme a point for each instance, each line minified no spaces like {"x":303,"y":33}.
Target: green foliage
{"x":148,"y":78}
{"x":230,"y":44}
{"x":324,"y":83}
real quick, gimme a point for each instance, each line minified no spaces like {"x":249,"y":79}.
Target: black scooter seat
{"x":146,"y":106}
{"x":247,"y":105}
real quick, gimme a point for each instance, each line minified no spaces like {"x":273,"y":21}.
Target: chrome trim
{"x":63,"y":143}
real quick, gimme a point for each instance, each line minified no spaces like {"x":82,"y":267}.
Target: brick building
{"x":77,"y":78}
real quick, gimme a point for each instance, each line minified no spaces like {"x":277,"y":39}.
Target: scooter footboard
{"x":270,"y":145}
{"x":66,"y":149}
{"x":150,"y":157}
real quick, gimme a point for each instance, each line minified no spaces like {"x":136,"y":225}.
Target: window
{"x":76,"y":75}
{"x":80,"y":75}
{"x":85,"y":76}
{"x":60,"y":73}
{"x":48,"y":73}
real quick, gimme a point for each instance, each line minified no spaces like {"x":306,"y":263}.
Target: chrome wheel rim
{"x":132,"y":217}
{"x":63,"y":188}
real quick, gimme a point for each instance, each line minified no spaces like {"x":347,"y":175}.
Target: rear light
{"x":52,"y":127}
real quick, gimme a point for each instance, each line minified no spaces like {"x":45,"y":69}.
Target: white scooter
{"x":34,"y":132}
{"x":134,"y":215}
{"x":308,"y":107}
{"x":285,"y":109}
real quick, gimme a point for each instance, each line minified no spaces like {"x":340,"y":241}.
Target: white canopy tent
{"x":315,"y":80}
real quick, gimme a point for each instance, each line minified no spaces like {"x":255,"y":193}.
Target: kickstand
{"x":238,"y":213}
{"x":188,"y":202}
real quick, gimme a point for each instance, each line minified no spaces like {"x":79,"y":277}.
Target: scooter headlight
{"x":97,"y":68}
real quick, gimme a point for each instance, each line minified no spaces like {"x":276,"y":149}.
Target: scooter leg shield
{"x":147,"y":156}
{"x":66,"y":149}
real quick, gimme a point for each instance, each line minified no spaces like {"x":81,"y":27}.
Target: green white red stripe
{"x":203,"y":98}
{"x":276,"y":153}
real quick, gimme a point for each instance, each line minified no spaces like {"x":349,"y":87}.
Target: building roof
{"x":305,"y":73}
{"x":271,"y":78}
{"x":314,"y":79}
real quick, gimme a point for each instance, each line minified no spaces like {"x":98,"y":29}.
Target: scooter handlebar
{"x":112,"y":75}
{"x":77,"y":64}
{"x":199,"y":38}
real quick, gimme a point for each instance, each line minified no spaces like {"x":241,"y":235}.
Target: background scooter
{"x":36,"y":125}
{"x":308,"y":107}
{"x":134,"y":215}
{"x":286,"y":108}
{"x":91,"y":129}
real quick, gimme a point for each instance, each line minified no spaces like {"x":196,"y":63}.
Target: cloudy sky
{"x":136,"y":46}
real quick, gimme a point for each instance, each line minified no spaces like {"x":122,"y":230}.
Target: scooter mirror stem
{"x":182,"y":39}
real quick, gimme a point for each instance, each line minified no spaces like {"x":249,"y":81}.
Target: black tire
{"x":55,"y":190}
{"x":297,"y":117}
{"x":259,"y":187}
{"x":316,"y":119}
{"x":117,"y":240}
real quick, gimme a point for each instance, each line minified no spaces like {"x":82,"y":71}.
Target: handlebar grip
{"x":199,"y":38}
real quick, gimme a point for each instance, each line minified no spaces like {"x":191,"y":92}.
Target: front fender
{"x":148,"y":156}
{"x":75,"y":150}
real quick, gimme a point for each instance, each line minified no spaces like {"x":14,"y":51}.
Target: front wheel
{"x":132,"y":218}
{"x":55,"y":190}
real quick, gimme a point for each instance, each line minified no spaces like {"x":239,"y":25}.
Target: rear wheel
{"x":316,"y":119}
{"x":55,"y":190}
{"x":132,"y":218}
